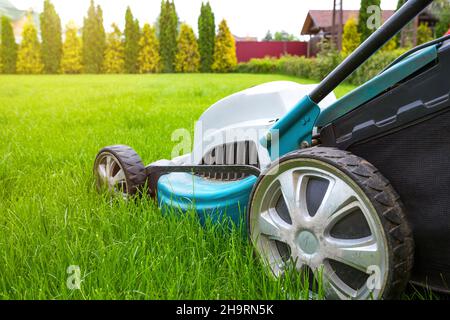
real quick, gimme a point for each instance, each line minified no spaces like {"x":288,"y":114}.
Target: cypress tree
{"x":51,"y":49}
{"x":101,"y":34}
{"x":131,"y":42}
{"x":363,"y":29}
{"x":29,"y":54}
{"x":8,"y":47}
{"x":149,"y":59}
{"x":168,"y":33}
{"x":93,"y":40}
{"x":71,"y":58}
{"x":206,"y":37}
{"x":225,"y":50}
{"x":268,"y":36}
{"x":188,"y":56}
{"x":114,"y":53}
{"x":351,"y":37}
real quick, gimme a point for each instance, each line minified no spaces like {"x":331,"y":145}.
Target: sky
{"x":244,"y":17}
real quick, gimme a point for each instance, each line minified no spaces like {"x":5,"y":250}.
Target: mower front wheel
{"x":119,"y":170}
{"x":327,"y":212}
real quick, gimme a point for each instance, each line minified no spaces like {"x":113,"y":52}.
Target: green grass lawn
{"x":51,"y":216}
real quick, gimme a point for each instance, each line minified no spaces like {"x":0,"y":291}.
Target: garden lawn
{"x":51,"y":217}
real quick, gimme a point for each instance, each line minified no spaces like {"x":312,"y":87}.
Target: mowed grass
{"x":51,"y":217}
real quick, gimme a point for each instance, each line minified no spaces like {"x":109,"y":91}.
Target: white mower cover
{"x":246,"y":116}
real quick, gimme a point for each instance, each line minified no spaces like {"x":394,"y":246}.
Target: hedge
{"x":317,"y":68}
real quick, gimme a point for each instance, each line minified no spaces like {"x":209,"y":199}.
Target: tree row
{"x":166,"y":46}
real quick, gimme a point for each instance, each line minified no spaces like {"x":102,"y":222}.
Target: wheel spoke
{"x":102,"y":172}
{"x":108,"y":166}
{"x":357,"y":253}
{"x":275,"y":230}
{"x":120,"y":176}
{"x":338,"y":195}
{"x":335,"y":288}
{"x":288,"y":185}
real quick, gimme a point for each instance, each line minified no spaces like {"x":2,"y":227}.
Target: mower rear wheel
{"x":327,"y":212}
{"x":119,"y":170}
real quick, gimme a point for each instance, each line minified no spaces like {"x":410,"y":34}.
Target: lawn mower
{"x":354,"y":189}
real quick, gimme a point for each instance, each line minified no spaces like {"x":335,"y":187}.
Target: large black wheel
{"x":330,"y":213}
{"x":119,"y":170}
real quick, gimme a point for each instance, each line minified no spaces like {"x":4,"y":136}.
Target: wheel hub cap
{"x":307,"y":242}
{"x":110,"y":175}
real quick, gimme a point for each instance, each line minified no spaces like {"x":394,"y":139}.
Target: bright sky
{"x":244,"y":17}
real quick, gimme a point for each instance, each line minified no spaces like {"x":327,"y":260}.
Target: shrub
{"x":296,"y":66}
{"x":266,"y":65}
{"x":149,"y":59}
{"x":93,"y":39}
{"x":8,"y":46}
{"x":224,"y":50}
{"x":29,"y":54}
{"x":114,"y":60}
{"x":424,"y":34}
{"x":319,"y":67}
{"x":327,"y":59}
{"x":351,"y":38}
{"x":71,"y":58}
{"x":168,"y":34}
{"x":206,"y":37}
{"x":374,"y":65}
{"x":51,"y":48}
{"x":187,"y":58}
{"x":131,"y":44}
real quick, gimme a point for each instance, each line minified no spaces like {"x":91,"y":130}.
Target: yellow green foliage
{"x":424,"y":34}
{"x":51,"y":47}
{"x":8,"y":46}
{"x":149,"y":60}
{"x":187,"y":58}
{"x":390,"y":45}
{"x":351,"y":37}
{"x":131,"y":42}
{"x":224,"y":50}
{"x":94,"y":40}
{"x":114,"y":61}
{"x":71,"y":58}
{"x":29,"y":54}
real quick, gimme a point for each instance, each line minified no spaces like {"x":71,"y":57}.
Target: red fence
{"x":246,"y":50}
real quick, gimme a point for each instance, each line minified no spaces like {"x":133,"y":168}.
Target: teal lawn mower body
{"x":351,"y":187}
{"x":214,"y":199}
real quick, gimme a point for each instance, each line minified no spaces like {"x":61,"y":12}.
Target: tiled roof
{"x":322,"y":19}
{"x":9,"y":10}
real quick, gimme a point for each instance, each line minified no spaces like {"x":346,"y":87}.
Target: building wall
{"x":246,"y":50}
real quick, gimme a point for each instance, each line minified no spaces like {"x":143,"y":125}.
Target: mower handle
{"x":376,"y":40}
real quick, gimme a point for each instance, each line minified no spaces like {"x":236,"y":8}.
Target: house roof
{"x":9,"y":10}
{"x":318,"y":20}
{"x":246,"y":38}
